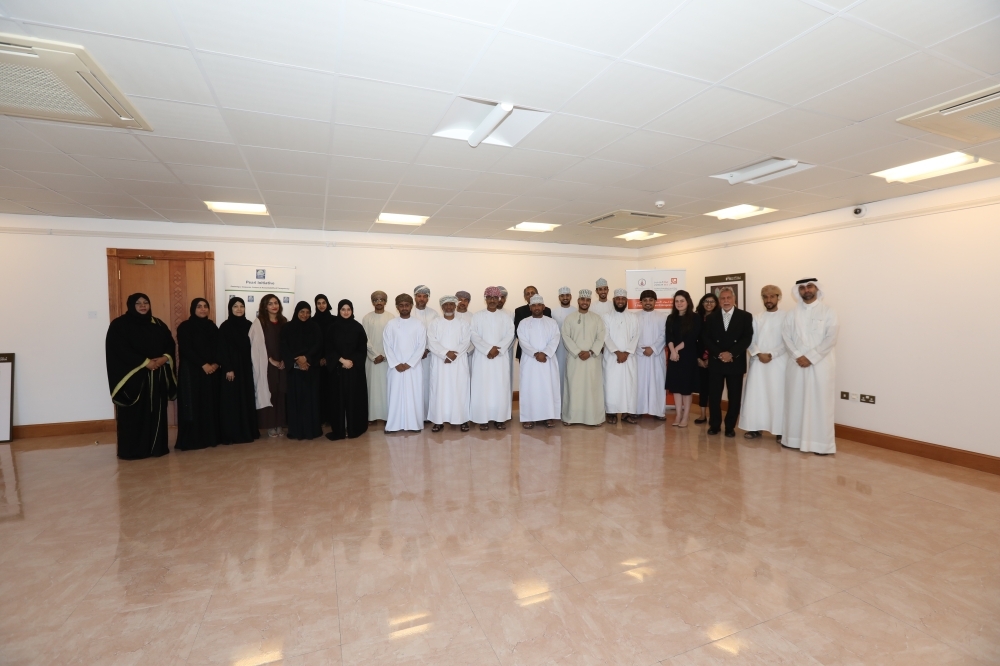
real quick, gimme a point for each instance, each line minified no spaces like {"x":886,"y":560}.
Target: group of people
{"x":587,"y":364}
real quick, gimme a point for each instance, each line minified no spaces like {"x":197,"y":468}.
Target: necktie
{"x":726,"y":317}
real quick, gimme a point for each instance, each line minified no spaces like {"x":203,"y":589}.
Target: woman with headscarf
{"x":269,"y":374}
{"x":323,"y":316}
{"x":197,"y":380}
{"x":140,"y":353}
{"x":707,"y":303}
{"x":346,"y":350}
{"x":302,"y":348}
{"x":237,"y":410}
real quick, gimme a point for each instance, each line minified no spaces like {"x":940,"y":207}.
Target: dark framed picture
{"x":715,"y":283}
{"x":6,"y":397}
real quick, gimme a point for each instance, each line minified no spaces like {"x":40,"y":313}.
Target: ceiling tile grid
{"x":325,"y":111}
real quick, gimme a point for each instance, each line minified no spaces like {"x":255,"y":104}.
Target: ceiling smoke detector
{"x":56,"y":81}
{"x":628,"y":220}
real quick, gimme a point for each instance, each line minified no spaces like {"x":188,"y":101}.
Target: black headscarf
{"x":323,"y":318}
{"x":132,"y":340}
{"x":301,"y":338}
{"x":199,"y":337}
{"x":235,"y":332}
{"x":346,"y":338}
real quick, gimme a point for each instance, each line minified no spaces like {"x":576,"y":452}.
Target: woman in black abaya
{"x":140,"y":354}
{"x":237,"y":406}
{"x":346,"y":349}
{"x":323,"y":317}
{"x":198,"y":380}
{"x":301,"y":349}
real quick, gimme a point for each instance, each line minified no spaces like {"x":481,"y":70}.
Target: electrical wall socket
{"x":870,"y":399}
{"x":854,"y":397}
{"x":844,"y":395}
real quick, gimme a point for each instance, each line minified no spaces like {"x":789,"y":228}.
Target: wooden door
{"x":171,"y":279}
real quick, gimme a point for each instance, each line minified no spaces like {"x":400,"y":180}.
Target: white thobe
{"x":810,"y":393}
{"x":540,"y":388}
{"x":652,"y":370}
{"x":559,"y":314}
{"x":404,"y":341}
{"x":449,"y":402}
{"x":377,"y":375}
{"x":491,"y":393}
{"x":621,"y":380}
{"x":510,"y":352}
{"x":425,"y":317}
{"x":600,"y":309}
{"x":764,"y":395}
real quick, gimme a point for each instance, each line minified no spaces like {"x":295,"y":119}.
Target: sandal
{"x":628,"y":418}
{"x":500,"y":425}
{"x":753,"y":434}
{"x":549,"y":423}
{"x":612,"y":419}
{"x":484,"y":426}
{"x":437,"y":427}
{"x":527,"y":425}
{"x":566,"y":424}
{"x":465,"y":427}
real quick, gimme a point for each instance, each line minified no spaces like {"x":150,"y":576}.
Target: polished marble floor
{"x":615,"y":545}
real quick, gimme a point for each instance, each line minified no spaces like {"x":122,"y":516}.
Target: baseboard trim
{"x":969,"y":459}
{"x":65,"y":428}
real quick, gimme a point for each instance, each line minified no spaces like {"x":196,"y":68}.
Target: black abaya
{"x":323,"y":319}
{"x":140,"y":395}
{"x":346,"y":338}
{"x":237,"y":399}
{"x":198,"y":391}
{"x":302,"y":338}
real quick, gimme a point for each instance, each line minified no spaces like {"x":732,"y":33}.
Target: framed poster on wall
{"x":6,"y":397}
{"x":737,"y":281}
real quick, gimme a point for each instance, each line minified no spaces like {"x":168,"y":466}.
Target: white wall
{"x":912,"y":283}
{"x":58,"y":270}
{"x":914,"y":288}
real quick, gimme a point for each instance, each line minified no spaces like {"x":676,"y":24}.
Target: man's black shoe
{"x":713,"y":431}
{"x":730,"y":433}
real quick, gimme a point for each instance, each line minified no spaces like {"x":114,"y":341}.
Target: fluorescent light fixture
{"x":399,"y":218}
{"x":533,"y":226}
{"x":935,"y":166}
{"x":639,"y":235}
{"x":490,"y":123}
{"x":740,"y":212}
{"x":239,"y":208}
{"x":750,"y":174}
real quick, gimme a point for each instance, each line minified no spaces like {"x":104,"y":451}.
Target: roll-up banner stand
{"x":251,"y":282}
{"x":664,"y":281}
{"x":6,"y":397}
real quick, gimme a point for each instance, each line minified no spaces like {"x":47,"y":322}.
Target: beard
{"x":620,"y":309}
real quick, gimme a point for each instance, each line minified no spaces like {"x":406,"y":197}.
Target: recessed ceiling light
{"x":935,"y":166}
{"x":533,"y":226}
{"x":768,"y":169}
{"x":399,"y":218}
{"x":639,"y":235}
{"x":740,"y":212}
{"x":239,"y":208}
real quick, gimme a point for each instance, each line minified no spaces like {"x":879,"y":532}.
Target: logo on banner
{"x":250,"y":298}
{"x":261,"y":274}
{"x":673,"y":280}
{"x":642,"y":282}
{"x":286,"y":299}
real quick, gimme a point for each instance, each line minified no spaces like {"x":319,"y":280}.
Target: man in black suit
{"x":524,"y":312}
{"x":728,"y":333}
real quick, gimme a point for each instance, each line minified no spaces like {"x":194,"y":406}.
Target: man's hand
{"x":426,"y":352}
{"x":622,"y":356}
{"x":541,"y":357}
{"x":647,"y":351}
{"x":803,"y":362}
{"x":347,"y":363}
{"x":322,"y":361}
{"x":493,"y":353}
{"x":230,"y":375}
{"x":451,"y":356}
{"x":726,"y":357}
{"x":378,"y":359}
{"x":402,"y":367}
{"x":764,"y":357}
{"x":584,"y":355}
{"x":208,"y":368}
{"x":702,"y":363}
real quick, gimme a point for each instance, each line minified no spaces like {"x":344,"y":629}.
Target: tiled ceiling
{"x":324,"y":109}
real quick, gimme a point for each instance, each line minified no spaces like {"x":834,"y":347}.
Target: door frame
{"x":117,"y":255}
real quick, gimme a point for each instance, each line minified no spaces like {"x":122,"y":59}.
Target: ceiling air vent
{"x":973,"y":118}
{"x":56,"y":81}
{"x":628,"y":220}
